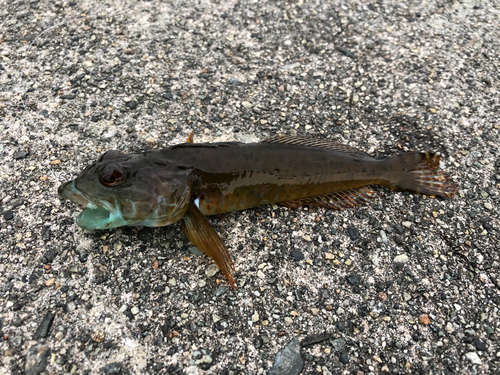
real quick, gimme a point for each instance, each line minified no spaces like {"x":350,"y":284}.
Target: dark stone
{"x":17,"y":323}
{"x":346,"y":52}
{"x":8,"y":215}
{"x":49,"y":256}
{"x":43,"y":329}
{"x":113,"y":368}
{"x":353,"y":279}
{"x":353,"y":233}
{"x":108,"y":345}
{"x":314,"y":339}
{"x":480,"y":345}
{"x":37,"y":359}
{"x":159,"y":288}
{"x":257,"y":342}
{"x":297,"y":255}
{"x":167,"y":95}
{"x":131,"y":104}
{"x":288,"y":360}
{"x":68,"y":97}
{"x":128,"y":314}
{"x":344,"y":358}
{"x":19,"y":304}
{"x":18,"y":155}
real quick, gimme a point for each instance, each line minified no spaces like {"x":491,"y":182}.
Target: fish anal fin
{"x":319,"y":143}
{"x":336,"y":201}
{"x":202,"y":235}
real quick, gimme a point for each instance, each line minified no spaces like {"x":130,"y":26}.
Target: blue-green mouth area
{"x":99,"y":218}
{"x":96,"y":215}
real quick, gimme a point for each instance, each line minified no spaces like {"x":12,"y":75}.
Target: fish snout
{"x":68,"y":191}
{"x":63,"y":188}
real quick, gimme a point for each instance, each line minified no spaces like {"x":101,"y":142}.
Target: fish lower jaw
{"x":97,"y":217}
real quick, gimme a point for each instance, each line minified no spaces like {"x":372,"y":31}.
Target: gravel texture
{"x":404,"y":285}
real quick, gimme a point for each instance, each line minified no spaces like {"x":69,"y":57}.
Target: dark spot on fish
{"x":207,"y":201}
{"x":261,"y":195}
{"x":242,"y":203}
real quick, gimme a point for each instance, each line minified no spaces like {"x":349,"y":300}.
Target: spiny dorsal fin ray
{"x":320,"y":143}
{"x":336,"y":201}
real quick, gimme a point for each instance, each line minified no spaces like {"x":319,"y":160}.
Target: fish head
{"x":129,"y":189}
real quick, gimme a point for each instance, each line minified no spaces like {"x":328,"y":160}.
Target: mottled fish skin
{"x":190,"y":180}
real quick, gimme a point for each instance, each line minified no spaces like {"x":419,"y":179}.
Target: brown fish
{"x":188,"y":181}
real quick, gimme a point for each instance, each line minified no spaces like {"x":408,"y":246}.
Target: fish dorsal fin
{"x":320,"y":143}
{"x":336,"y":201}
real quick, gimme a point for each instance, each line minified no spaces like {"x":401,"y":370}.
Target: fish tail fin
{"x":420,"y":174}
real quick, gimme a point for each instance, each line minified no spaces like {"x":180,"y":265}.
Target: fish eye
{"x":112,"y":176}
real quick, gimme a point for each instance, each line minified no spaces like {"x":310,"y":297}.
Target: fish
{"x":189,"y":181}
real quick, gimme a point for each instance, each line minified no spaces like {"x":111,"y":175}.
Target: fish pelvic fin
{"x":336,"y":201}
{"x":203,"y":236}
{"x":421,"y":174}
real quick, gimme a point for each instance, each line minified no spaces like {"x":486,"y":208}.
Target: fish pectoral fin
{"x":190,"y":138}
{"x":336,"y":201}
{"x":203,"y":236}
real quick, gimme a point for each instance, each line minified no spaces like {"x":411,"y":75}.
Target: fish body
{"x":189,"y":181}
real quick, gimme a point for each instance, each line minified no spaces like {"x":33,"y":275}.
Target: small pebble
{"x":255,"y":317}
{"x":403,"y":258}
{"x":344,"y":358}
{"x":473,"y":358}
{"x":211,"y":270}
{"x":353,"y":233}
{"x":424,"y":319}
{"x":383,"y":236}
{"x":449,"y":327}
{"x":8,"y":215}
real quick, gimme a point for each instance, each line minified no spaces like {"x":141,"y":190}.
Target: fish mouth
{"x":96,"y":214}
